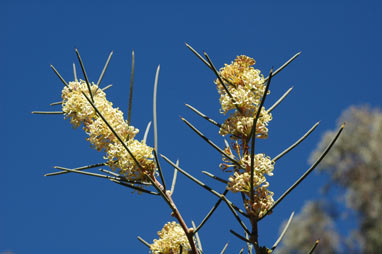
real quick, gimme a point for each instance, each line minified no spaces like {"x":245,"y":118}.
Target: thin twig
{"x":222,"y":82}
{"x":174,"y":178}
{"x":143,"y":241}
{"x":159,"y":169}
{"x":202,"y":184}
{"x":314,"y":247}
{"x":155,"y":109}
{"x":282,"y":233}
{"x":84,"y":72}
{"x":48,"y":112}
{"x":284,"y":65}
{"x":131,"y":87}
{"x":215,"y":177}
{"x":306,"y":172}
{"x":296,"y":143}
{"x":79,"y":168}
{"x":279,"y":100}
{"x":210,"y":142}
{"x":161,"y":192}
{"x":104,"y":69}
{"x":239,"y":236}
{"x":210,"y":212}
{"x":253,"y":134}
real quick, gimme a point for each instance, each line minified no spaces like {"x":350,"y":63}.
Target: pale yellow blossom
{"x":263,"y":200}
{"x":170,"y":238}
{"x":119,"y":159}
{"x":239,"y":125}
{"x":245,"y":84}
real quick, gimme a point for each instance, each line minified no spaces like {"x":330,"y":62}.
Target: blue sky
{"x":339,"y":66}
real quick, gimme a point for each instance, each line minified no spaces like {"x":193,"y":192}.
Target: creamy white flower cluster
{"x":246,"y":86}
{"x":76,"y":107}
{"x":170,"y":239}
{"x":241,"y":182}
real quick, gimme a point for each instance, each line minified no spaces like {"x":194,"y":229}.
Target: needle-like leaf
{"x":199,"y":56}
{"x":222,"y":82}
{"x":60,"y":102}
{"x":79,"y":168}
{"x":123,"y":178}
{"x":210,"y":142}
{"x":306,"y":172}
{"x":282,"y":233}
{"x":174,"y":178}
{"x":86,"y":173}
{"x":225,"y":247}
{"x":279,"y":100}
{"x":314,"y":247}
{"x":131,"y":87}
{"x":143,"y":241}
{"x":236,"y":215}
{"x":48,"y":112}
{"x":146,"y":132}
{"x":203,"y":185}
{"x":204,"y":116}
{"x":75,"y":72}
{"x":106,"y":87}
{"x":284,"y":65}
{"x":215,"y":177}
{"x":159,"y":169}
{"x":59,"y":76}
{"x":239,"y":236}
{"x":85,"y":75}
{"x":155,"y":109}
{"x":134,"y":187}
{"x":104,"y":69}
{"x":296,"y":143}
{"x":210,"y":212}
{"x":197,"y":236}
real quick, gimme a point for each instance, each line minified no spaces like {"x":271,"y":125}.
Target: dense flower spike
{"x":119,"y":158}
{"x":171,"y":237}
{"x":78,"y":109}
{"x":246,"y":86}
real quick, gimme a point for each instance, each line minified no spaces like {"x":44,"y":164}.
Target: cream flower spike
{"x":170,"y":239}
{"x":76,"y":107}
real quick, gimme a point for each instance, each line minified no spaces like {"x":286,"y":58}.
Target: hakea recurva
{"x":246,"y":87}
{"x":76,"y":107}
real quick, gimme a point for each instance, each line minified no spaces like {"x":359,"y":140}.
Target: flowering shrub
{"x":135,"y":165}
